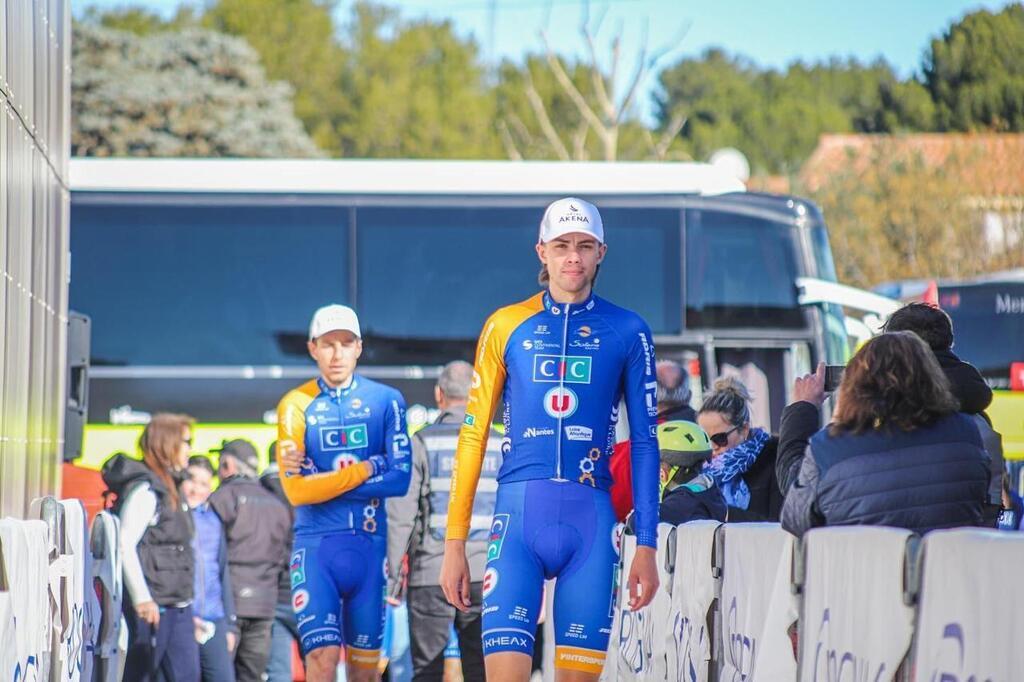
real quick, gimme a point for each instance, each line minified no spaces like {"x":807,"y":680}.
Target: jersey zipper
{"x":561,"y":392}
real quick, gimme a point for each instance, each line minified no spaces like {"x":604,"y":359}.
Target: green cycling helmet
{"x":683,"y":443}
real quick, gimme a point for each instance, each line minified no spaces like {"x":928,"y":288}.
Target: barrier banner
{"x":854,"y":625}
{"x":26,"y":566}
{"x":757,"y":605}
{"x":105,"y":548}
{"x":660,"y":608}
{"x":78,"y":642}
{"x":633,"y":631}
{"x":970,"y":607}
{"x":688,"y":642}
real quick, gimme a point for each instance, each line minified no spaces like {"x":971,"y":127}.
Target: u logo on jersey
{"x":334,"y":438}
{"x":561,"y":402}
{"x":571,"y":369}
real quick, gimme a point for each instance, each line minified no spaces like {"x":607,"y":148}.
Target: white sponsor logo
{"x":533,"y":433}
{"x":579,"y":433}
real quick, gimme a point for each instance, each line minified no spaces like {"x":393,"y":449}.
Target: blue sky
{"x":771,"y":32}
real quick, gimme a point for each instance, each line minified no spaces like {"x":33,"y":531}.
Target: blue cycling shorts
{"x":338,"y":587}
{"x":545,"y":529}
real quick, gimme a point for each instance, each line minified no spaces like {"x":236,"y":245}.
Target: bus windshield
{"x":988,"y":324}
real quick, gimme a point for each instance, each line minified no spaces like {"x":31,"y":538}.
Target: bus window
{"x":205,"y":285}
{"x":740,"y":272}
{"x":642,"y":271}
{"x":988,"y":325}
{"x":823,"y":254}
{"x":437,"y":273}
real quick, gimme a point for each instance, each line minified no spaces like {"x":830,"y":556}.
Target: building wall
{"x":35,"y":129}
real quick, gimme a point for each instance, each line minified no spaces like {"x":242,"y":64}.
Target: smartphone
{"x":833,"y":375}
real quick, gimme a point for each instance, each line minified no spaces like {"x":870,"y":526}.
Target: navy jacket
{"x":933,"y":477}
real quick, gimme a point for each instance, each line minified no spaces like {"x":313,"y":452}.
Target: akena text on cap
{"x":571,"y":215}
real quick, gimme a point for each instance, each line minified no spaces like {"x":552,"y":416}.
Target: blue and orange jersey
{"x":337,"y":429}
{"x":560,"y":372}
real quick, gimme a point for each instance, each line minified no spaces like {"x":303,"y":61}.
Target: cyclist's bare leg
{"x":508,"y":666}
{"x":357,"y":673}
{"x":322,"y":664}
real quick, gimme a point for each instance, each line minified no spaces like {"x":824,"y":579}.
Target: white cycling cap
{"x":571,"y":215}
{"x":333,"y":318}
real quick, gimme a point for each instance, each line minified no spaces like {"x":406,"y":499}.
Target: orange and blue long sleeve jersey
{"x":560,"y":371}
{"x":337,"y":429}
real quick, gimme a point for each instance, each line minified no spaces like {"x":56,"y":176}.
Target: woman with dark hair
{"x":742,"y":456}
{"x":156,"y":550}
{"x":897,"y":453}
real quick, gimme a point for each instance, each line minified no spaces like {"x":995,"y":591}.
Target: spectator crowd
{"x":207,"y":550}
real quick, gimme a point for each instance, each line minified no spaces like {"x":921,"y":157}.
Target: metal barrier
{"x":52,"y":623}
{"x":748,"y":602}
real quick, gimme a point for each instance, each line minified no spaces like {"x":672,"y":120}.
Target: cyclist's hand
{"x":643,"y":574}
{"x":455,"y":575}
{"x":379,"y":463}
{"x":291,"y":458}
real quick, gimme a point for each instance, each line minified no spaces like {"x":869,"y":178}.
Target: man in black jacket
{"x":935,"y":327}
{"x":257,"y":525}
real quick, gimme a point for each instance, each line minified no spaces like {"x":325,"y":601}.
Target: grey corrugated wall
{"x":35,"y":130}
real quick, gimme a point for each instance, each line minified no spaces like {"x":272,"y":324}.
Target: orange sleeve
{"x":489,"y":374}
{"x":291,"y":435}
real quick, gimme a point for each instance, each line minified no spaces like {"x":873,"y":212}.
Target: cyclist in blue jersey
{"x":343,"y":446}
{"x":560,"y":362}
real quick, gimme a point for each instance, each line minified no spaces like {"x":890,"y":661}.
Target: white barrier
{"x":970,"y":607}
{"x":757,"y":606}
{"x":105,"y":548}
{"x":632,"y":631}
{"x":688,"y":642}
{"x":854,"y":582}
{"x":79,"y":644}
{"x":23,"y":545}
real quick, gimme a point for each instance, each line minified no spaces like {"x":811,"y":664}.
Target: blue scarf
{"x":728,"y":468}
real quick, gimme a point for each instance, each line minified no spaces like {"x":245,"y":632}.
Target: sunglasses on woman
{"x":722,"y":439}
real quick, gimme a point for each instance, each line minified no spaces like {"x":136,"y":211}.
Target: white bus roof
{"x":300,"y":176}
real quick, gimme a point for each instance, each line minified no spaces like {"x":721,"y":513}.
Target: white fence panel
{"x":23,"y":545}
{"x":105,"y":547}
{"x":855,"y":624}
{"x":757,"y":604}
{"x":688,"y":642}
{"x":969,"y":624}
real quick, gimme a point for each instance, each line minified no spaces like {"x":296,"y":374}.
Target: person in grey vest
{"x":416,"y":527}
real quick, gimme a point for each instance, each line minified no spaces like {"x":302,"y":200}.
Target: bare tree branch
{"x":519,"y":127}
{"x":604,"y":101}
{"x":579,"y":141}
{"x":570,"y":89}
{"x":541,"y":112}
{"x":511,"y":151}
{"x":674,"y":127}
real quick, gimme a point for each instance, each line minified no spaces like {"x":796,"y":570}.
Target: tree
{"x":898,"y":217}
{"x":139,"y":20}
{"x":296,"y":41}
{"x":193,"y":93}
{"x":412,"y":90}
{"x":975,"y":72}
{"x":554,"y":108}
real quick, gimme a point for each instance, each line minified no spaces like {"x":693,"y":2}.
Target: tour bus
{"x":988,"y":325}
{"x":200,"y":276}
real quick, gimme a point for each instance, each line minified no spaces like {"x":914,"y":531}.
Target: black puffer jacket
{"x":258,"y":527}
{"x":165,"y":551}
{"x":966,"y":382}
